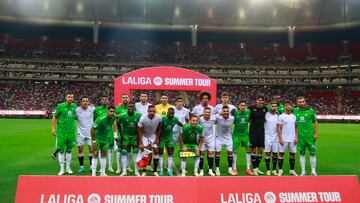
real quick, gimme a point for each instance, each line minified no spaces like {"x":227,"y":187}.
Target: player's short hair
{"x":104,"y":96}
{"x":242,"y":101}
{"x":260,"y":96}
{"x":164,"y":94}
{"x":224,"y":94}
{"x":131,"y":103}
{"x":178,"y":98}
{"x":84,"y":97}
{"x":288,"y":102}
{"x":273,"y":102}
{"x":202,"y":94}
{"x":207,"y":108}
{"x":300,"y":97}
{"x":143,"y":92}
{"x":171,"y":108}
{"x":225,"y":107}
{"x":111,"y":107}
{"x":151,"y":106}
{"x":67,"y":93}
{"x":193,"y":115}
{"x":124,"y":94}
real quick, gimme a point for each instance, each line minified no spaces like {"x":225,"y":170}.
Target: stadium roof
{"x":212,"y":15}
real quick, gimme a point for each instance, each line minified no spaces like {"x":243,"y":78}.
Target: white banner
{"x":337,"y":117}
{"x":22,"y":112}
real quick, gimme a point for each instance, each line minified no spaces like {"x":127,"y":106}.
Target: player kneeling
{"x":99,"y":134}
{"x":190,"y":140}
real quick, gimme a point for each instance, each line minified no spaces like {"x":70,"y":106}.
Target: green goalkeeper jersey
{"x":121,"y":109}
{"x":305,"y":121}
{"x":191,"y":134}
{"x":66,"y":117}
{"x":129,"y":123}
{"x":103,"y":126}
{"x":167,"y":126}
{"x":100,"y":111}
{"x":241,"y":122}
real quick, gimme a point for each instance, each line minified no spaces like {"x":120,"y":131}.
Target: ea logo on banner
{"x":94,"y":198}
{"x":158,"y":81}
{"x":270,"y":197}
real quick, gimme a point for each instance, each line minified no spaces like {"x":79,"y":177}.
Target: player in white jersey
{"x":85,"y":117}
{"x":198,"y":110}
{"x":224,"y":137}
{"x":288,"y":137}
{"x":225,"y":101}
{"x":207,"y":121}
{"x":271,"y":138}
{"x":149,"y":128}
{"x":143,"y":105}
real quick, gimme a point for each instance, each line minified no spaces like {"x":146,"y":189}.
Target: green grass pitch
{"x":25,"y":147}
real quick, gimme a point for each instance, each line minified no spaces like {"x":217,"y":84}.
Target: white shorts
{"x":220,"y":142}
{"x":271,"y":146}
{"x":149,"y":141}
{"x":287,"y":145}
{"x":208,"y":145}
{"x":80,"y":140}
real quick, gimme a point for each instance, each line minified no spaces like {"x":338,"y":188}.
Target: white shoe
{"x":156,"y":174}
{"x":61,"y":172}
{"x":274,"y":173}
{"x":69,"y":171}
{"x":103,"y":174}
{"x":129,"y":170}
{"x":217,"y":172}
{"x":111,"y":170}
{"x":303,"y":173}
{"x":123,"y":173}
{"x":183,"y":174}
{"x":201,"y":173}
{"x":93,"y":173}
{"x":211,"y":173}
{"x":196,"y":173}
{"x":268,"y":173}
{"x":137,"y":173}
{"x":143,"y":174}
{"x":231,"y":172}
{"x":313,"y":173}
{"x":292,"y":172}
{"x":280,"y":172}
{"x":118,"y":171}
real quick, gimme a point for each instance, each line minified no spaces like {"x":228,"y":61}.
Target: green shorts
{"x":306,"y":142}
{"x":102,"y":144}
{"x":191,"y":146}
{"x":240,"y":141}
{"x":167,"y":143}
{"x":129,"y":140}
{"x":65,"y":141}
{"x":111,"y":140}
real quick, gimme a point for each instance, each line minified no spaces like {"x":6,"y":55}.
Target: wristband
{"x":94,"y":141}
{"x":115,"y":135}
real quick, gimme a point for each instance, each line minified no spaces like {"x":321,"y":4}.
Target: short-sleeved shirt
{"x":241,"y":122}
{"x":280,"y":108}
{"x":66,"y":117}
{"x":162,"y":109}
{"x":100,"y":111}
{"x":271,"y":126}
{"x":257,"y":120}
{"x":224,"y":126}
{"x":199,"y":110}
{"x":191,"y":135}
{"x":142,"y":108}
{"x":103,"y":126}
{"x":218,"y":108}
{"x":183,"y":115}
{"x":121,"y":109}
{"x":149,"y":125}
{"x":167,"y":126}
{"x":288,"y":122}
{"x":208,"y":126}
{"x":305,"y":119}
{"x":85,"y":118}
{"x":129,"y":123}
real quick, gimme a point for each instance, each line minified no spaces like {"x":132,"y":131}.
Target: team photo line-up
{"x":129,"y":128}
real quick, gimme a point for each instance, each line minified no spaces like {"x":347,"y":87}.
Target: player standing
{"x":148,"y":132}
{"x":162,"y":108}
{"x":204,"y":97}
{"x":102,"y":126}
{"x":288,"y":137}
{"x":191,"y":139}
{"x":128,"y":127}
{"x":271,"y":138}
{"x":307,"y":133}
{"x":207,"y":121}
{"x":143,"y":105}
{"x":225,"y":101}
{"x":63,"y":127}
{"x":241,"y":134}
{"x":85,"y":117}
{"x":257,"y":133}
{"x":280,"y":107}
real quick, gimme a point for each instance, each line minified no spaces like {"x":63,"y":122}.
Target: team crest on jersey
{"x":69,"y":113}
{"x":243,"y":120}
{"x":131,"y":124}
{"x":168,"y":127}
{"x":302,"y":118}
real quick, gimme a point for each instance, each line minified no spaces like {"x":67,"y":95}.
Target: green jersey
{"x":100,"y":111}
{"x":280,"y":108}
{"x":305,"y":119}
{"x":191,"y":134}
{"x":121,"y":109}
{"x":66,"y":117}
{"x":167,"y":127}
{"x":103,"y":126}
{"x":241,"y":122}
{"x":129,"y":123}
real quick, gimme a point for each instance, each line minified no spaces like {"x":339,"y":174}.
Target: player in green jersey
{"x":166,"y":139}
{"x":241,"y":134}
{"x":307,"y":134}
{"x":191,"y":138}
{"x":63,"y":127}
{"x":280,"y":107}
{"x":121,"y":109}
{"x":99,"y":134}
{"x":128,"y":129}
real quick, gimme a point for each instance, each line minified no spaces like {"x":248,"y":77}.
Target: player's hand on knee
{"x":141,"y":147}
{"x":315,"y":137}
{"x":295,"y":141}
{"x":156,"y":142}
{"x":281,"y":142}
{"x":184,"y":148}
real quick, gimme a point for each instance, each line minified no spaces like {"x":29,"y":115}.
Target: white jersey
{"x":208,"y":126}
{"x":199,"y":110}
{"x":224,"y":127}
{"x":271,"y":121}
{"x":84,"y":120}
{"x":183,"y":115}
{"x":142,"y":108}
{"x":149,"y":125}
{"x":288,"y":122}
{"x":218,"y":108}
